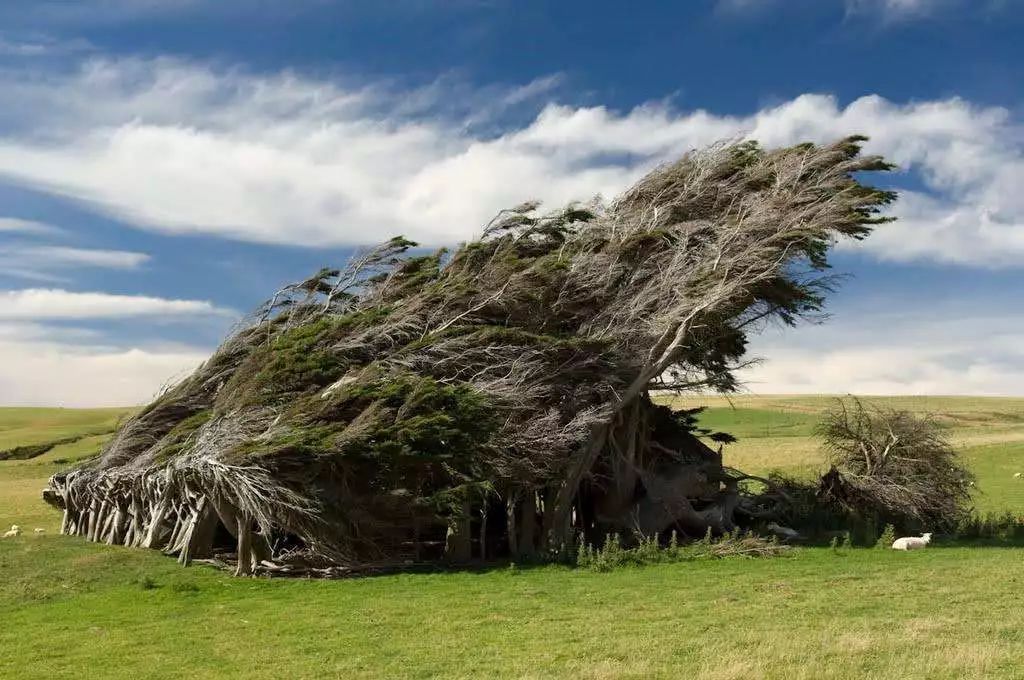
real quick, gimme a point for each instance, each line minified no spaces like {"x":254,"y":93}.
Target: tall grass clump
{"x":612,"y":555}
{"x":886,"y":538}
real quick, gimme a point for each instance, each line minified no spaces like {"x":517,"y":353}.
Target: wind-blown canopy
{"x":493,"y":399}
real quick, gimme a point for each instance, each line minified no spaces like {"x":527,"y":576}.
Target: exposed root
{"x":181,"y":507}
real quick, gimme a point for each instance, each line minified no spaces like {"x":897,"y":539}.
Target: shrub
{"x":894,"y":467}
{"x":886,"y":539}
{"x":612,"y":554}
{"x":185,"y":587}
{"x":1004,"y":526}
{"x":147,"y":583}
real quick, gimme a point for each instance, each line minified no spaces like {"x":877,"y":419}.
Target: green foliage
{"x":147,"y":583}
{"x":192,"y":423}
{"x":413,"y":416}
{"x":885,"y":540}
{"x":175,"y":441}
{"x":999,"y":526}
{"x":300,"y":359}
{"x":612,"y":555}
{"x":415,"y":273}
{"x":394,"y":435}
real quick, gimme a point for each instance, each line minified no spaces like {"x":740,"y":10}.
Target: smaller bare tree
{"x":893,"y":466}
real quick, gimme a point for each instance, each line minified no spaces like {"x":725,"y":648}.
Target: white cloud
{"x":41,"y":262}
{"x":16,"y":225}
{"x":48,"y":373}
{"x":41,"y":46}
{"x":944,"y":351}
{"x":897,"y":10}
{"x":36,"y":304}
{"x":887,"y":10}
{"x":47,"y":362}
{"x":182,"y":148}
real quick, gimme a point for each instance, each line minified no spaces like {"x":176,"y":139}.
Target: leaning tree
{"x":494,"y":400}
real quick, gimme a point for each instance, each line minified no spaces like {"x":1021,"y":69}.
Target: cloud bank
{"x":908,"y":353}
{"x":48,"y":362}
{"x":889,"y":11}
{"x":180,"y":147}
{"x":52,"y":373}
{"x":35,"y":304}
{"x":14,"y":225}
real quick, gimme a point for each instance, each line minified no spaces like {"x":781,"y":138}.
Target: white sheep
{"x":14,"y":531}
{"x":39,"y":531}
{"x":784,"y":532}
{"x":1016,"y":475}
{"x":912,"y":542}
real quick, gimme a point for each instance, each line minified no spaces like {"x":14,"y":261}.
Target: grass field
{"x":74,"y":609}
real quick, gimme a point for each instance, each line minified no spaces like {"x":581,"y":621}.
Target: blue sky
{"x":166,"y":164}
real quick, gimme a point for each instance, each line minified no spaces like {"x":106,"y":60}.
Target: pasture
{"x":73,"y":609}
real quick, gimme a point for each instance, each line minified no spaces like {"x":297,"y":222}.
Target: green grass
{"x":995,"y":465}
{"x":22,"y":481}
{"x":75,"y":451}
{"x":755,"y":423}
{"x":23,"y":426}
{"x":74,"y":609}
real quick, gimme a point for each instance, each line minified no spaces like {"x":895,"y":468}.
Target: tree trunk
{"x":527,"y":525}
{"x":153,"y":535}
{"x":458,"y":545}
{"x":483,"y":531}
{"x":244,"y":531}
{"x":199,"y":543}
{"x":670,"y":500}
{"x":511,"y":509}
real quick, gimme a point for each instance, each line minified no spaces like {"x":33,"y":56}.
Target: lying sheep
{"x":14,"y":531}
{"x":784,"y":532}
{"x":39,"y":531}
{"x":912,"y":542}
{"x":1016,"y":475}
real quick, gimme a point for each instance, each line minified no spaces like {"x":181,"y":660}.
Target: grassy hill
{"x":72,"y":608}
{"x":75,"y":434}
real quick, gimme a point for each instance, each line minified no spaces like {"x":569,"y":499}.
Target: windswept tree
{"x":493,"y":400}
